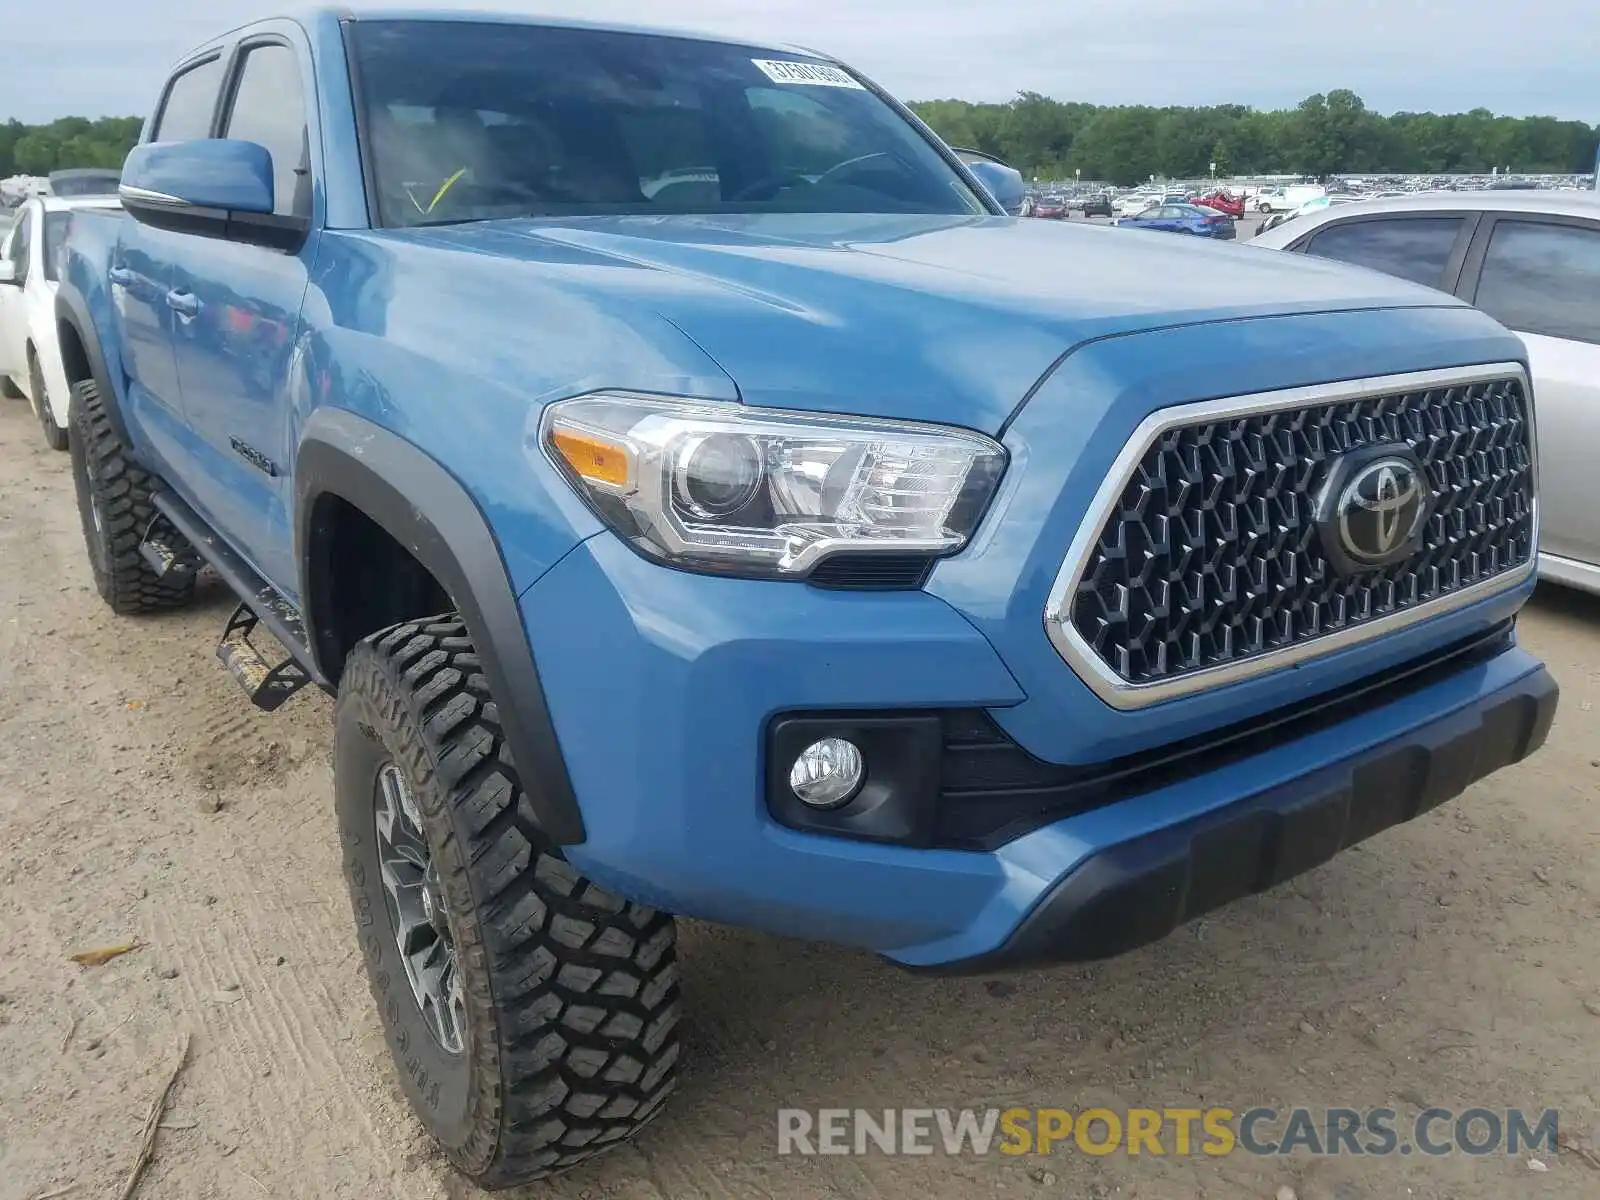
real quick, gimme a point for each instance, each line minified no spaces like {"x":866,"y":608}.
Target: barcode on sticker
{"x":816,"y":74}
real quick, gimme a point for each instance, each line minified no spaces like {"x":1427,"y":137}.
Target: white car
{"x":1134,"y":203}
{"x":30,"y":355}
{"x":1532,"y":261}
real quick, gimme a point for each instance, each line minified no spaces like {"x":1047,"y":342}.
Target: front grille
{"x":1210,"y":556}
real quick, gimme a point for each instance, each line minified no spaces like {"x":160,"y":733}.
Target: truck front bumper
{"x":663,"y":687}
{"x":1128,"y":893}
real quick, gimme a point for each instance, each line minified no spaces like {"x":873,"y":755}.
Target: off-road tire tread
{"x":129,"y":584}
{"x":572,"y":992}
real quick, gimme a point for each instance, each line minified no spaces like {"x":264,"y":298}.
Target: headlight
{"x":765,"y":492}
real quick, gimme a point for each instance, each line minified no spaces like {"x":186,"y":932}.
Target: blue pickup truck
{"x":703,"y":500}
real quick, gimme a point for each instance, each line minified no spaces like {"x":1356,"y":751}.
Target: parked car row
{"x":1057,"y":205}
{"x":1181,"y":218}
{"x":1280,"y":195}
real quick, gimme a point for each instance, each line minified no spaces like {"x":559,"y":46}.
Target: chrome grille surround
{"x":1390,"y":398}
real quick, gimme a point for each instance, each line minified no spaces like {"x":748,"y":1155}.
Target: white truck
{"x":1287,"y":198}
{"x":30,"y":352}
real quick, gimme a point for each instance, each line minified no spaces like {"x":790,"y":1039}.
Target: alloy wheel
{"x":417,"y":911}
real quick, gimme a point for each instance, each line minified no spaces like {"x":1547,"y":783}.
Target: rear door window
{"x":1543,"y":278}
{"x":55,"y":237}
{"x":1414,"y":248}
{"x":190,"y":104}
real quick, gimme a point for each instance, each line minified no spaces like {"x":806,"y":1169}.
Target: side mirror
{"x":1003,"y":183}
{"x":214,"y":187}
{"x":8,"y":273}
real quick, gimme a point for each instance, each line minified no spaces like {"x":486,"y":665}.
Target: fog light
{"x":827,"y":773}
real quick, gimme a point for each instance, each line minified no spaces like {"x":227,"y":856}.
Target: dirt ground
{"x":1454,"y":961}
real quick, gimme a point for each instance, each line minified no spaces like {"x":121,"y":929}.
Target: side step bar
{"x":267,"y":686}
{"x":169,"y":553}
{"x":261,"y":604}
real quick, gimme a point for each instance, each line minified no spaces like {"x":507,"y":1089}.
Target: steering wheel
{"x":851,"y":162}
{"x":769,"y":186}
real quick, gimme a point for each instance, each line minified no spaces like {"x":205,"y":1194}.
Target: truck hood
{"x":922,"y":317}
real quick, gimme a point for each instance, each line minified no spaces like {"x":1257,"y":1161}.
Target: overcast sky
{"x":100,"y":57}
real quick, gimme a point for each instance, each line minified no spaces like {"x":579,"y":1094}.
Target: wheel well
{"x":360,"y":580}
{"x":73,"y":356}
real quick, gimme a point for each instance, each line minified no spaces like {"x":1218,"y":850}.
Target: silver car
{"x":1531,"y":260}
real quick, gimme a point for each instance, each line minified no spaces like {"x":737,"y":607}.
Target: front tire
{"x":54,"y":436}
{"x":114,"y":506}
{"x":531,"y":1013}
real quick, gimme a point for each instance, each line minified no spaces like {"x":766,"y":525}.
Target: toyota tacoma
{"x":703,"y":501}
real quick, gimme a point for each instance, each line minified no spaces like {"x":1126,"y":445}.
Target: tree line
{"x":1324,"y":135}
{"x":67,"y":142}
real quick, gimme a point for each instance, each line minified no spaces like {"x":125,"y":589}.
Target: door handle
{"x":120,"y":276}
{"x":185,"y":304}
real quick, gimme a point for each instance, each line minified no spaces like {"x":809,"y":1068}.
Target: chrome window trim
{"x":1117,"y":691}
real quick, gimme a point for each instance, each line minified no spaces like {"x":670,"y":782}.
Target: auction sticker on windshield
{"x":816,"y":74}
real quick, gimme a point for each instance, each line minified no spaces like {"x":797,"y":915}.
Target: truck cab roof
{"x":311,"y":17}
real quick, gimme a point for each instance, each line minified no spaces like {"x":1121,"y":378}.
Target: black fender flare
{"x":73,"y":312}
{"x":426,"y":510}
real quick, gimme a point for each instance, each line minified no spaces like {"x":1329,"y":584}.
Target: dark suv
{"x":1097,"y":205}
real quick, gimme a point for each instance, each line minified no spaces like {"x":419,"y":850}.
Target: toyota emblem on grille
{"x":1374,"y":507}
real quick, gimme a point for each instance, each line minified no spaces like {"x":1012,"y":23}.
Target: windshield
{"x":470,"y":121}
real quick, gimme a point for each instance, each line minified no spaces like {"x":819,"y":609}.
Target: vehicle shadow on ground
{"x":1569,"y":603}
{"x":773,"y":1023}
{"x":834,"y":1012}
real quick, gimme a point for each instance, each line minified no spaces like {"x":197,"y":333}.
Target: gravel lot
{"x":1453,"y":961}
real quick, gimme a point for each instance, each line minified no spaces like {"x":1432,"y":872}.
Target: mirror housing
{"x":8,"y":273}
{"x":213,"y":187}
{"x":1002,"y":182}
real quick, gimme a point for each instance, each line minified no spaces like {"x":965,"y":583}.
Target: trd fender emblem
{"x":254,"y":457}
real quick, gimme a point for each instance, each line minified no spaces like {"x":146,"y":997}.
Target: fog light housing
{"x":896,"y":788}
{"x":827,"y":773}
